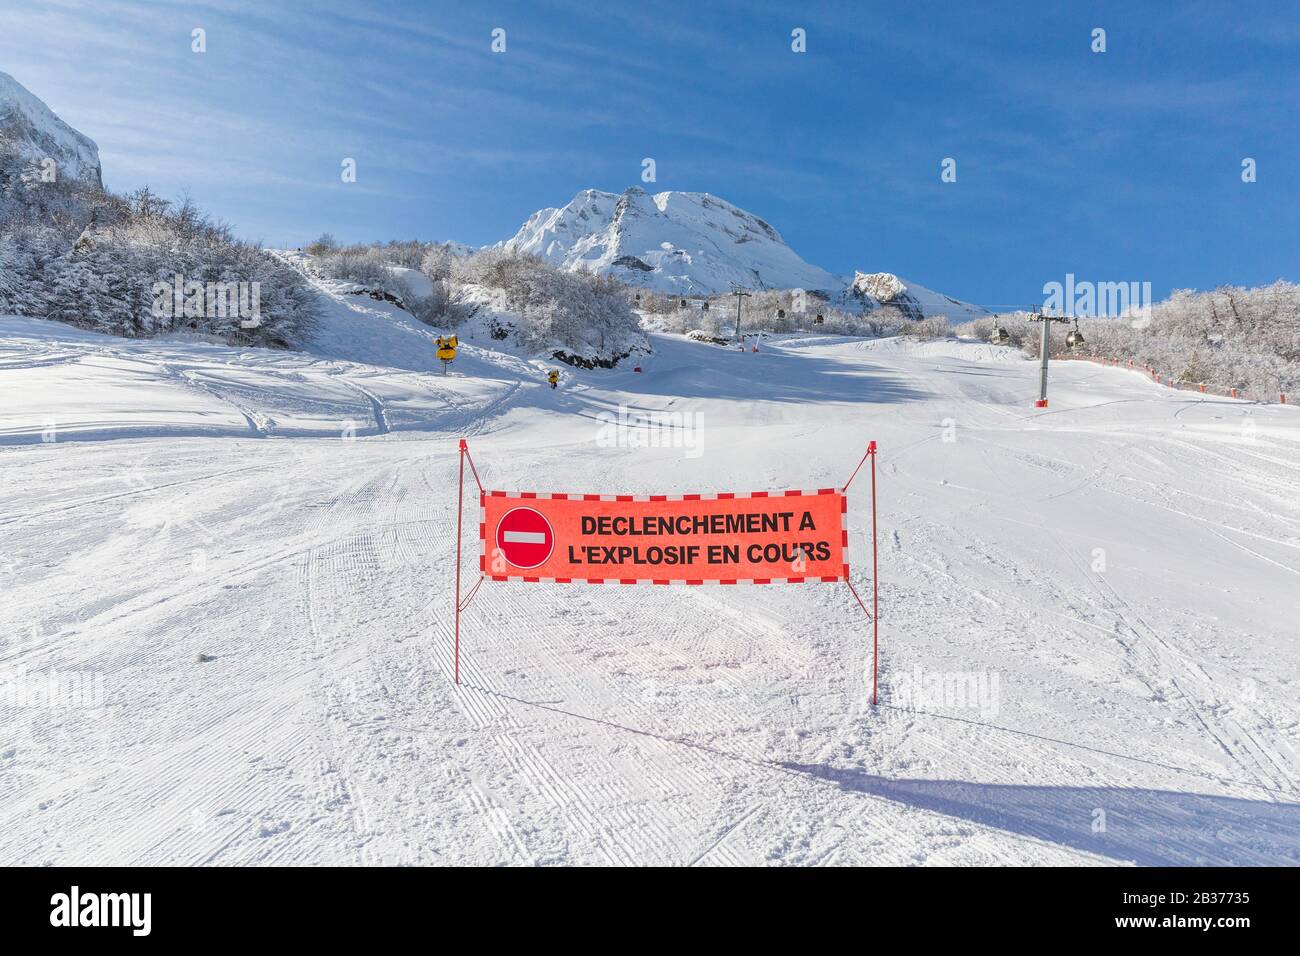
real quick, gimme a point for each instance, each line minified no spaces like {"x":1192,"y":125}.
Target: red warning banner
{"x":778,"y":537}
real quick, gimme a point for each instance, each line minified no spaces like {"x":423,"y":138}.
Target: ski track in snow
{"x":211,"y":503}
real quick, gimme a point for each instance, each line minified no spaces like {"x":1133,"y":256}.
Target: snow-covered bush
{"x":445,"y":307}
{"x":367,"y":266}
{"x":74,"y":252}
{"x":711,"y":321}
{"x":885,"y":321}
{"x":577,"y":316}
{"x":778,"y":311}
{"x":437,"y":262}
{"x":408,"y":253}
{"x":935,"y":327}
{"x":1021,"y":333}
{"x":1248,"y":339}
{"x":653,"y":303}
{"x":978,"y":328}
{"x":324,"y":245}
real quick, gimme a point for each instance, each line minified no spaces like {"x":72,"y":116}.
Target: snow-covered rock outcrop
{"x":30,"y":128}
{"x":875,"y":290}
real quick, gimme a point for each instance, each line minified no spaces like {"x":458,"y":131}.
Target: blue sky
{"x":1119,"y":166}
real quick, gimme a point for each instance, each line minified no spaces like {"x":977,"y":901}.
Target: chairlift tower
{"x":1046,"y":321}
{"x":740,"y":295}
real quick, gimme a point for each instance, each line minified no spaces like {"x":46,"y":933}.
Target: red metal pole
{"x":875,"y":584}
{"x":875,"y":589}
{"x":460,"y":498}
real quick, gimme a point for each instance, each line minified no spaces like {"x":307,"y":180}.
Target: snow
{"x":419,"y":283}
{"x":29,"y":125}
{"x":268,"y":604}
{"x":81,"y":385}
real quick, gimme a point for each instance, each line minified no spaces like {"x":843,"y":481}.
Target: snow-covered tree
{"x":74,"y":252}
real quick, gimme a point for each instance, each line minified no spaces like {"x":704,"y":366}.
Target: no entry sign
{"x":524,"y":538}
{"x":759,"y":538}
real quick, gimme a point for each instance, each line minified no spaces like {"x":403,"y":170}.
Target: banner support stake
{"x":875,"y":582}
{"x":460,"y":507}
{"x":874,"y":613}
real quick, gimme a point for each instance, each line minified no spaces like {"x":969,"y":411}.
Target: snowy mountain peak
{"x":696,"y":243}
{"x":30,"y":128}
{"x":671,"y":241}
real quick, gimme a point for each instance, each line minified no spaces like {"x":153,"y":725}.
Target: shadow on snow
{"x":1143,"y":826}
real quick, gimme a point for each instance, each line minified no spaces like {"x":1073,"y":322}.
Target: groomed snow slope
{"x":370,"y":369}
{"x":637,"y":725}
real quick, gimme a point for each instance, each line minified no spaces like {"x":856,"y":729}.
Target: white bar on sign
{"x":523,"y":537}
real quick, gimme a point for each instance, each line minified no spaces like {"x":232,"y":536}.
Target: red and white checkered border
{"x":710,"y":496}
